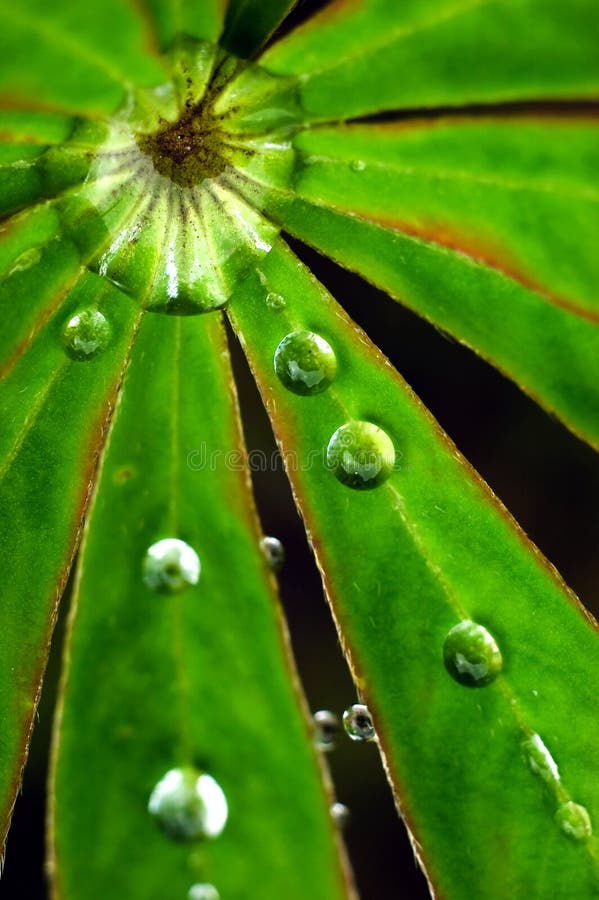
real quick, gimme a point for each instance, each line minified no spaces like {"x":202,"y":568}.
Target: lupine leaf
{"x":251,"y":22}
{"x":203,"y":677}
{"x":55,"y":412}
{"x":404,"y":563}
{"x":493,"y":241}
{"x":358,"y":57}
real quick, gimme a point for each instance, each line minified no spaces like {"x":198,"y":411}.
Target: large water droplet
{"x":361,"y":455}
{"x":358,"y":723}
{"x":274,"y":552}
{"x":86,"y":334}
{"x":574,"y":821}
{"x":203,"y":892}
{"x":340,"y":815}
{"x":170,"y":566}
{"x":189,"y":805}
{"x":540,"y":760}
{"x":471,"y":654}
{"x":326,"y":728}
{"x":305,"y":363}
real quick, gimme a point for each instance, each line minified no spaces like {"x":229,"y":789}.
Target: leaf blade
{"x":181,"y":448}
{"x":403,"y":564}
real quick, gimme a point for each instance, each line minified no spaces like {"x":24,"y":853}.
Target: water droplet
{"x":574,"y":821}
{"x":357,"y":165}
{"x":189,"y":805}
{"x":540,"y":760}
{"x":361,"y":455}
{"x":274,"y":552}
{"x":25,"y":260}
{"x":305,"y":363}
{"x":203,"y":892}
{"x":340,"y":815}
{"x":86,"y":334}
{"x":471,"y":655}
{"x":357,"y":722}
{"x":170,"y":566}
{"x":275,"y":301}
{"x":326,"y":728}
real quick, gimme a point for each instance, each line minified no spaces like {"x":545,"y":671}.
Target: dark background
{"x":546,"y":477}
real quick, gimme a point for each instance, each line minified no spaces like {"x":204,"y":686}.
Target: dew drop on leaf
{"x":305,"y":363}
{"x":361,"y":455}
{"x":574,"y":821}
{"x":326,"y":728}
{"x":540,"y":760}
{"x":357,"y":165}
{"x":275,"y":301}
{"x":471,"y":654}
{"x":189,"y":805}
{"x":203,"y":892}
{"x":86,"y":334}
{"x":273,"y":552}
{"x":358,"y":723}
{"x":340,"y":815}
{"x":170,"y":566}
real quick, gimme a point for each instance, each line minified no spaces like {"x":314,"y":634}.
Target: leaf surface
{"x":204,"y":677}
{"x":251,"y":22}
{"x":487,"y":228}
{"x":402,"y":565}
{"x":357,"y":57}
{"x":54,"y":413}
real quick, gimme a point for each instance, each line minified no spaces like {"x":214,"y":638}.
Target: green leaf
{"x":203,"y":677}
{"x":79,"y":58}
{"x":403,"y":564}
{"x":250,"y":23}
{"x":54,"y":411}
{"x":487,"y":228}
{"x":360,"y":56}
{"x":168,"y":20}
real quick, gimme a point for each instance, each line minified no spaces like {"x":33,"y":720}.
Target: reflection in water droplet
{"x":275,"y":301}
{"x":540,"y":760}
{"x":340,"y":815}
{"x":86,"y":334}
{"x":574,"y":821}
{"x":188,"y":805}
{"x":357,"y":165}
{"x":361,"y":455}
{"x":326,"y":728}
{"x":203,"y":892}
{"x":305,"y":363}
{"x":170,"y":566}
{"x":471,"y":655}
{"x":358,"y":723}
{"x":274,"y":552}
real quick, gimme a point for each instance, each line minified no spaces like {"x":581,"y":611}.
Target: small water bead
{"x":326,"y":729}
{"x":357,"y":165}
{"x":188,"y":805}
{"x":540,"y":760}
{"x":574,"y":821}
{"x":274,"y":552}
{"x":203,"y":892}
{"x":358,"y":723}
{"x":275,"y":301}
{"x":86,"y":334}
{"x":305,"y":363}
{"x":361,"y":455}
{"x":170,"y":566}
{"x":340,"y":815}
{"x":471,"y":654}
